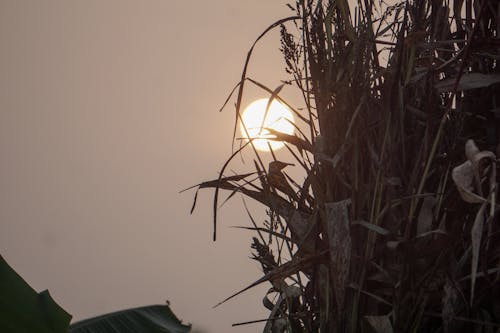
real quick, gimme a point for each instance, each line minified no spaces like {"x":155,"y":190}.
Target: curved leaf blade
{"x":23,"y":310}
{"x":148,"y":319}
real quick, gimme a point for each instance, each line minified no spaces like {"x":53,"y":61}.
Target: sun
{"x":278,"y":118}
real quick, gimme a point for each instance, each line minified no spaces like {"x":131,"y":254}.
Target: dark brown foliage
{"x":395,"y":228}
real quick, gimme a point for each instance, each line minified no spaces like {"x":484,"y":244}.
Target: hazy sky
{"x":107,"y":109}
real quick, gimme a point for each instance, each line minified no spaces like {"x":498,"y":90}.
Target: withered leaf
{"x":301,"y":144}
{"x":463,"y":176}
{"x":471,"y":149}
{"x":381,"y":324}
{"x":301,"y":226}
{"x":467,"y":175}
{"x":468,"y":81}
{"x":373,"y":227}
{"x":426,"y":215}
{"x":339,"y":237}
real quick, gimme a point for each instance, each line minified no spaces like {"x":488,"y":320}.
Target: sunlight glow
{"x":278,"y":118}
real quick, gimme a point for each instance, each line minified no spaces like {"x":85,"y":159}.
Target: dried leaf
{"x":481,"y":161}
{"x":301,"y":144}
{"x":426,"y":215}
{"x":467,"y":175}
{"x":471,"y":149}
{"x":463,"y":176}
{"x":381,"y":324}
{"x":266,"y":230}
{"x":468,"y":81}
{"x":267,"y":303}
{"x":476,"y":156}
{"x":300,"y":226}
{"x":476,"y":234}
{"x":269,"y":102}
{"x":279,"y":205}
{"x":431,"y":232}
{"x":269,"y":328}
{"x":372,"y":227}
{"x":281,"y":272}
{"x":193,"y":206}
{"x":337,"y":224}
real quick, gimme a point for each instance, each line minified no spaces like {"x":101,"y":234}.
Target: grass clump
{"x":395,"y":226}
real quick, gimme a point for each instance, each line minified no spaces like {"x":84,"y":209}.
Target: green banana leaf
{"x":148,"y":319}
{"x":23,"y":310}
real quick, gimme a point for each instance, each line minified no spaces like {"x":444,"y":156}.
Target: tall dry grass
{"x":395,"y":227}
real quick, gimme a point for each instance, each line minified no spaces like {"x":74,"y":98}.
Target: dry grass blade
{"x":247,"y":61}
{"x":295,"y":112}
{"x":217,"y":187}
{"x":370,"y":226}
{"x":301,"y":144}
{"x":264,"y":230}
{"x":281,"y":272}
{"x":269,"y":102}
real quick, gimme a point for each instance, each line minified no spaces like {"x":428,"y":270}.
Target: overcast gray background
{"x":107,"y":109}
